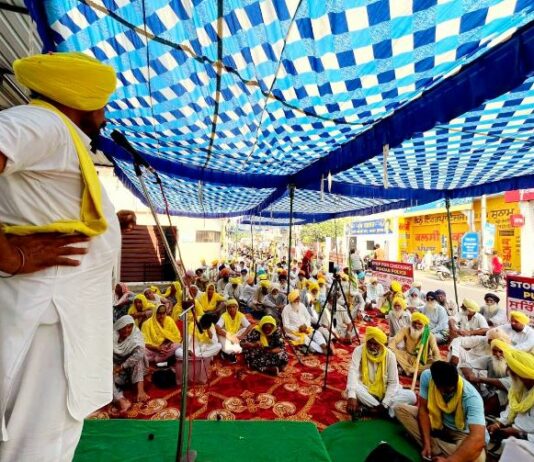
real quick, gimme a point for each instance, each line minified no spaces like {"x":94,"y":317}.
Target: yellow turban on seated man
{"x":399,"y":301}
{"x":471,"y":305}
{"x":293,"y":295}
{"x":72,"y":79}
{"x":420,"y":317}
{"x":376,"y":334}
{"x":396,"y":286}
{"x":520,"y":317}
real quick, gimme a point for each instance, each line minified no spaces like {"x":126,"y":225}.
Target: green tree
{"x":319,"y":231}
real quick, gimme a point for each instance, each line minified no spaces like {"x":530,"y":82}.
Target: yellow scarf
{"x":202,"y":337}
{"x":210,"y":305}
{"x":519,"y":404}
{"x":155,"y":334}
{"x":378,"y":387}
{"x":92,"y":221}
{"x":232,"y":325}
{"x":437,"y":405}
{"x":301,"y":336}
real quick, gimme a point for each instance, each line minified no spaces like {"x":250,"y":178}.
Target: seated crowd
{"x":475,"y":364}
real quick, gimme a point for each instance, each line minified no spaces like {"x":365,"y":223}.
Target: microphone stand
{"x":189,"y":456}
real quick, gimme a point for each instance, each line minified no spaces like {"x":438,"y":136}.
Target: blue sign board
{"x":470,"y":246}
{"x":382,"y":226}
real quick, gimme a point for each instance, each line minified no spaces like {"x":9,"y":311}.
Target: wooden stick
{"x":416,"y":368}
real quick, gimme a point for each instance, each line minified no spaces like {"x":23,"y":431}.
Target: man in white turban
{"x":56,"y":348}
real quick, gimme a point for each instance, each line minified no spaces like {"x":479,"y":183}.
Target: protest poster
{"x":520,"y":295}
{"x":387,"y":271}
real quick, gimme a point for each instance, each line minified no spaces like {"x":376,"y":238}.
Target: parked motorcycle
{"x":443,"y":269}
{"x":484,"y":279}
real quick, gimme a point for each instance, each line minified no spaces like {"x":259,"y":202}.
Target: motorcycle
{"x":442,"y":269}
{"x":484,"y":279}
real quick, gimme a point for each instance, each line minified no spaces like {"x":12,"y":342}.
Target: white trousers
{"x":316,"y":342}
{"x":517,"y":451}
{"x":39,"y":425}
{"x":202,"y":350}
{"x":228,"y":346}
{"x":402,"y":396}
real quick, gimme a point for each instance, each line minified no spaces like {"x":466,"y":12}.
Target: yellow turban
{"x":376,"y":334}
{"x":396,"y":286}
{"x":235,"y":280}
{"x":520,"y":317}
{"x":520,"y":362}
{"x":321,"y":281}
{"x":265,"y":283}
{"x":471,"y":305}
{"x":500,"y":344}
{"x":72,"y":79}
{"x":231,"y":302}
{"x":313,"y":286}
{"x":214,"y":262}
{"x":293,"y":295}
{"x":400,"y":301}
{"x":420,"y":317}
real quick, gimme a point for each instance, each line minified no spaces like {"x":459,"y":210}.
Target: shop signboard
{"x":517,"y":220}
{"x":381,"y":226}
{"x":520,"y":295}
{"x":489,"y":236}
{"x":388,"y":271}
{"x":470,"y":247}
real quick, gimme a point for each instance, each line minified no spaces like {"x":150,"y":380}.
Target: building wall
{"x":192,"y":251}
{"x":430,"y":232}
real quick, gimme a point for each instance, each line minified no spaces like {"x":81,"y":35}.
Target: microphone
{"x":139,"y":160}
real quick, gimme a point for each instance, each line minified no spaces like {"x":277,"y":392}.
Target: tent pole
{"x":451,"y":253}
{"x":291,"y":188}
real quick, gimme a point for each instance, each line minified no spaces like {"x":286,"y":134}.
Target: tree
{"x":309,"y":234}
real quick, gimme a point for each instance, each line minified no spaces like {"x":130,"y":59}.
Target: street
{"x":430,"y":281}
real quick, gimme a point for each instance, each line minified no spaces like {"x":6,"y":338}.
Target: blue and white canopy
{"x":363,"y":105}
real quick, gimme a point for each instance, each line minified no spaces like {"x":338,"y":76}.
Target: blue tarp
{"x":234,"y":100}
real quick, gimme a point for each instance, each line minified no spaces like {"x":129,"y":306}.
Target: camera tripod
{"x":335,"y":288}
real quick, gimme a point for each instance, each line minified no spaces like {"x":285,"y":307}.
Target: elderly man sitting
{"x":469,"y":321}
{"x":495,"y":315}
{"x":449,"y":422}
{"x":438,"y":318}
{"x":231,"y":328}
{"x":518,"y":419}
{"x":520,"y":333}
{"x":297,"y":324}
{"x":407,"y":343}
{"x":373,"y":380}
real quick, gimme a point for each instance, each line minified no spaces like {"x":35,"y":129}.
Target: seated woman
{"x":210,"y":299}
{"x":162,"y":337}
{"x":141,"y":310}
{"x":264,"y":348}
{"x":231,"y":328}
{"x":122,"y":300}
{"x":203,"y":344}
{"x":129,"y":361}
{"x":173,"y":295}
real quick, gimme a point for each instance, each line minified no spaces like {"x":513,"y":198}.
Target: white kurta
{"x":523,"y":340}
{"x":497,"y":316}
{"x":292,"y":319}
{"x":394,"y":395}
{"x":42,"y":184}
{"x":472,"y":352}
{"x":476,"y":322}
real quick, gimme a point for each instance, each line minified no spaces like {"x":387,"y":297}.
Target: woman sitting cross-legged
{"x":129,"y":361}
{"x":162,"y":337}
{"x":231,"y":328}
{"x":264,"y":348}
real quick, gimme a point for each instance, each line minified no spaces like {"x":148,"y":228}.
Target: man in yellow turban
{"x":297,"y":324}
{"x":233,"y":288}
{"x":468,"y":321}
{"x":409,"y":340}
{"x":373,"y":380}
{"x":519,"y":331}
{"x":49,"y":189}
{"x":256,"y":303}
{"x":518,"y":418}
{"x":449,"y":421}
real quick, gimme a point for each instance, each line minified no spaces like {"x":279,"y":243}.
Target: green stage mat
{"x":224,"y":441}
{"x":352,"y":442}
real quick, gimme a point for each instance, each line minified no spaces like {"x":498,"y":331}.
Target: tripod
{"x":336,"y":287}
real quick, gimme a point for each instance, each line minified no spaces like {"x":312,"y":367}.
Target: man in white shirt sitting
{"x":494,"y":314}
{"x":297,"y":325}
{"x":520,"y":333}
{"x":469,"y":321}
{"x":373,"y":378}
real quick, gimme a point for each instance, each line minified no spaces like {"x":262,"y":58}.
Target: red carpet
{"x":235,"y":392}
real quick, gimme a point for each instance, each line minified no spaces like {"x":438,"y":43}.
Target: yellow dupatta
{"x":155,"y":334}
{"x":210,"y":305}
{"x":437,"y":405}
{"x":378,"y":386}
{"x":92,"y":221}
{"x":264,"y":339}
{"x":146,"y":306}
{"x":232,"y":326}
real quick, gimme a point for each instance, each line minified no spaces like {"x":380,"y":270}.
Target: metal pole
{"x":185,"y":346}
{"x":291,"y":199}
{"x":453,"y":264}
